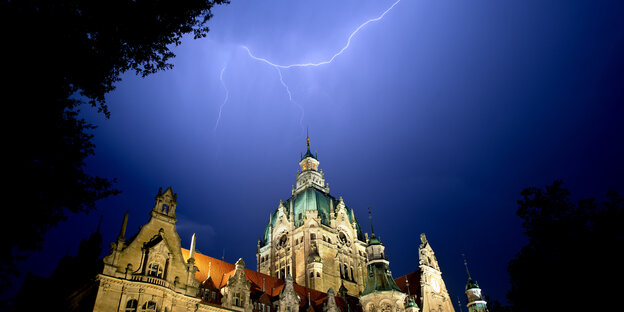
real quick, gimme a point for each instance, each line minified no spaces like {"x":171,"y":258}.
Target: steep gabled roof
{"x":220,"y":271}
{"x":414,"y":284}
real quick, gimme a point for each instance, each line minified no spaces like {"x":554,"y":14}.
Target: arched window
{"x":346,"y":272}
{"x":312,"y":236}
{"x":165,"y":208}
{"x":155,"y":270}
{"x":131,"y":305}
{"x":149,"y":306}
{"x":352,"y":277}
{"x":318,"y":274}
{"x":311,"y":274}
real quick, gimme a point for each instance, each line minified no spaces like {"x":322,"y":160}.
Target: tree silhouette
{"x":571,"y":261}
{"x":59,"y":55}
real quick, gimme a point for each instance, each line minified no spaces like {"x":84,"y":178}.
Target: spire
{"x":192,"y":250}
{"x":308,"y":152}
{"x":471,"y":283}
{"x":370,"y":217}
{"x":407,"y":285}
{"x":124,"y":224}
{"x":459,"y":304}
{"x":466,"y":265}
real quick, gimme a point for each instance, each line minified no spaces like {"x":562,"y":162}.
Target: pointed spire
{"x":466,"y":264}
{"x":407,"y":285}
{"x":124,"y":224}
{"x":192,"y":250}
{"x":370,"y":217}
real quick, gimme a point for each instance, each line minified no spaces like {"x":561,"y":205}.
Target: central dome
{"x":311,"y":199}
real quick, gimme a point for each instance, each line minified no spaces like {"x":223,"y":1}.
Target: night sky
{"x":436,"y":116}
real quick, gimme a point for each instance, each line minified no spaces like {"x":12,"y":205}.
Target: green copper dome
{"x":379,"y":278}
{"x":308,"y":154}
{"x":471,"y":284}
{"x":374,"y":241}
{"x":410,"y":303}
{"x":311,"y":199}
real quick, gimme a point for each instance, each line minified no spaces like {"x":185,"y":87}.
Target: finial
{"x":124,"y":224}
{"x":370,"y":216}
{"x":407,"y":285}
{"x":309,"y":304}
{"x":459,"y":304}
{"x":192,"y":251}
{"x":466,"y":264}
{"x":223,"y":256}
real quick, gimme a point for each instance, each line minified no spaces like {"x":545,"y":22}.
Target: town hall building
{"x":313,"y":256}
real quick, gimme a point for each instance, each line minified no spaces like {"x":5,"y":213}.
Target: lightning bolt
{"x":279,"y":67}
{"x":227,"y":95}
{"x":346,"y":46}
{"x":279,"y":71}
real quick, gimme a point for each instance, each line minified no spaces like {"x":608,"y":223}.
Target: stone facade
{"x":313,"y":236}
{"x":435,"y":296}
{"x":312,"y":245}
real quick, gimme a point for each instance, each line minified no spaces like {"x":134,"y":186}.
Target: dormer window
{"x":155,"y":270}
{"x":238,"y":300}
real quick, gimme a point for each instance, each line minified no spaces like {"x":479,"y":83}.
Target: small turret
{"x":473,"y":293}
{"x":380,"y":286}
{"x":309,"y":175}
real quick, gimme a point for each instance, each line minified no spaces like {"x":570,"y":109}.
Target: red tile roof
{"x":220,"y":271}
{"x":414,"y":284}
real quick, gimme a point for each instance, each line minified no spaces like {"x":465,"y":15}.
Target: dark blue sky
{"x":436,"y":116}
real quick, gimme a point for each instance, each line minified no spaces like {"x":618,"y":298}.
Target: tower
{"x":434,"y":295}
{"x":381,"y":292}
{"x":143,"y":271}
{"x":473,"y":294}
{"x":314,"y":236}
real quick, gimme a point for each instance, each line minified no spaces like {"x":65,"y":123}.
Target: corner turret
{"x":473,"y":294}
{"x":381,"y":292}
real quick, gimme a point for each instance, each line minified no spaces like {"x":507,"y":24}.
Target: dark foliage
{"x":71,"y":287}
{"x":571,"y":262}
{"x":496,"y":306}
{"x":59,"y":55}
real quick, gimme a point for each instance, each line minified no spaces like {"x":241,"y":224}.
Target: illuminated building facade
{"x":313,"y":257}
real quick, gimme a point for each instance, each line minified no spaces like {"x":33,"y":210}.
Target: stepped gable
{"x":220,"y":271}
